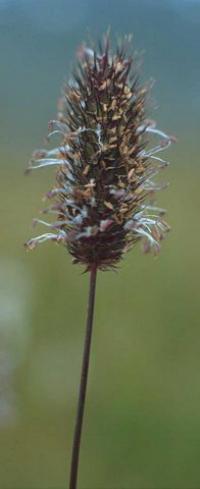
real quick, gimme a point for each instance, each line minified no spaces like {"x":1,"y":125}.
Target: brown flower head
{"x":102,"y":198}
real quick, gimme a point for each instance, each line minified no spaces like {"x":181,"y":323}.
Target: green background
{"x":142,"y":422}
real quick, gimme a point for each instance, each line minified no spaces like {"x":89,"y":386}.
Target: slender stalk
{"x":83,"y":382}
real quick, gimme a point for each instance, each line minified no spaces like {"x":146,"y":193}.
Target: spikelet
{"x":102,"y":198}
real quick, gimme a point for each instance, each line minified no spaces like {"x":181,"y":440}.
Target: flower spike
{"x":104,"y":164}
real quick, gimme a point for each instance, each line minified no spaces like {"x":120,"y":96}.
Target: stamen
{"x":153,"y":130}
{"x":32,"y":243}
{"x":40,"y":221}
{"x":59,"y":126}
{"x":149,"y":185}
{"x":166,"y":163}
{"x":149,"y":237}
{"x":154,"y":208}
{"x":47,"y":162}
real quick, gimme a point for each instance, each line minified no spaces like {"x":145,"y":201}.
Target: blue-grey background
{"x":142,"y":423}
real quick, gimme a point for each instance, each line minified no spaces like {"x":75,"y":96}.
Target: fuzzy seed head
{"x":102,"y":200}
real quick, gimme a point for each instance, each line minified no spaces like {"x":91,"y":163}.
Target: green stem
{"x":83,"y":382}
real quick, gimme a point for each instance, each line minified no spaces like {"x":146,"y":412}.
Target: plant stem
{"x":83,"y":382}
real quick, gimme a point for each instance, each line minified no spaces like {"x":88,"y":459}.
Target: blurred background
{"x":142,"y":422}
